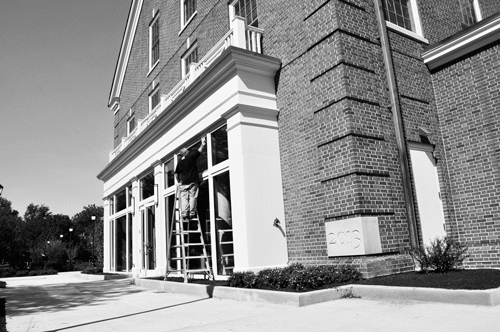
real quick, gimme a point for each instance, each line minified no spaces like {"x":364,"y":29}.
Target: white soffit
{"x":483,"y":34}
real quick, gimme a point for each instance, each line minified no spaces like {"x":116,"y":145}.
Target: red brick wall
{"x":468,"y":101}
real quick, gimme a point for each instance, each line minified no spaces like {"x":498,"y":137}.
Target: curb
{"x":490,"y":297}
{"x":102,"y":276}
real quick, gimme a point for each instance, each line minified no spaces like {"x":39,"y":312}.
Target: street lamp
{"x":93,"y":239}
{"x":70,"y":262}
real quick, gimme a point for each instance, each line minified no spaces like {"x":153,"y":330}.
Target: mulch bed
{"x":455,"y":279}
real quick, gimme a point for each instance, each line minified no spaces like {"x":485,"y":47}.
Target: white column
{"x":136,"y":229}
{"x":107,"y":237}
{"x":160,"y":235}
{"x":256,"y":188}
{"x":239,"y":32}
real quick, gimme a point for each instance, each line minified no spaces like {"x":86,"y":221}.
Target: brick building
{"x":339,"y":131}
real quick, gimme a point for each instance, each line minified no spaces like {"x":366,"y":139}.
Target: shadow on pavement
{"x":49,"y":298}
{"x":123,"y":316}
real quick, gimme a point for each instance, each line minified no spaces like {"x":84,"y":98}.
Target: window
{"x":188,"y":10}
{"x":399,"y":13}
{"x":147,"y":186}
{"x":121,"y":200}
{"x":169,"y":173}
{"x":131,"y":124}
{"x":154,"y":42}
{"x":470,"y":12}
{"x":219,"y":145}
{"x":154,"y":97}
{"x":248,"y":10}
{"x":190,"y":58}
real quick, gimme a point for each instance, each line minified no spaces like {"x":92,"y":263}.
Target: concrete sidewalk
{"x":67,"y":303}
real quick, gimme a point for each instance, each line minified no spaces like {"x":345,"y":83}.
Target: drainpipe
{"x":398,"y":125}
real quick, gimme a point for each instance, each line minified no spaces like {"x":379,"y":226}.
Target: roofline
{"x":127,"y":40}
{"x":481,"y":34}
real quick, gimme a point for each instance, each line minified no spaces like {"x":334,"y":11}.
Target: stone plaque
{"x":351,"y":237}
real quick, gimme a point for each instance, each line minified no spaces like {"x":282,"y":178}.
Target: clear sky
{"x":57,"y":59}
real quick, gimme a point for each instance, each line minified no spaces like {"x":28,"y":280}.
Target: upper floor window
{"x":470,"y":12}
{"x":403,"y":15}
{"x":154,"y":41}
{"x":190,"y":57}
{"x":154,"y":97}
{"x":248,"y":10}
{"x":147,"y":186}
{"x":188,"y":10}
{"x":131,"y":123}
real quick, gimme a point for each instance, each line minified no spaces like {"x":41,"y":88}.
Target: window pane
{"x":147,"y":186}
{"x":224,"y":224}
{"x":248,"y":10}
{"x":129,"y":201}
{"x":169,"y":173}
{"x":219,"y":145}
{"x":397,"y":12}
{"x":155,"y":42}
{"x":129,"y":239}
{"x":121,"y":201}
{"x":120,"y":244}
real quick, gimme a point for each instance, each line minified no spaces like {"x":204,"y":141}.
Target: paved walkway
{"x":67,"y":303}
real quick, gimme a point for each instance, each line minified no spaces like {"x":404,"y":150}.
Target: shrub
{"x":442,"y":255}
{"x":295,"y":277}
{"x":92,"y":270}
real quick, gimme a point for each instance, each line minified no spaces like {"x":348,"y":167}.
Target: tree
{"x":90,"y":233}
{"x":11,"y":248}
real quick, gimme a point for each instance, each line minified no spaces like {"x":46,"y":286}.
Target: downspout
{"x":398,"y":125}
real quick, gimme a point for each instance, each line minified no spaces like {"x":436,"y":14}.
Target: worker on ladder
{"x":188,"y":179}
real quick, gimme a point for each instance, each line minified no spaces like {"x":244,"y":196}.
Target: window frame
{"x":184,"y":19}
{"x":153,"y":95}
{"x":155,"y":22}
{"x":476,"y":12}
{"x":415,"y":22}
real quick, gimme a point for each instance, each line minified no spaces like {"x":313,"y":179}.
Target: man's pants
{"x":189,"y":198}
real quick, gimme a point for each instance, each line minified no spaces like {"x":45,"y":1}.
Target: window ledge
{"x":183,"y":27}
{"x":153,"y":67}
{"x":408,"y":33}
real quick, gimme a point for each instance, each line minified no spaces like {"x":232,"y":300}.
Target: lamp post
{"x":70,"y":261}
{"x":93,"y":239}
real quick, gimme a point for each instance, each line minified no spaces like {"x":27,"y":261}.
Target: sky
{"x":57,"y":60}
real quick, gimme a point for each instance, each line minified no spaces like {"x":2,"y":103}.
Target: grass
{"x":455,"y":279}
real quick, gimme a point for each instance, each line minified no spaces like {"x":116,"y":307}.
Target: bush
{"x":295,"y":277}
{"x":92,"y":270}
{"x":6,"y":273}
{"x":442,"y":255}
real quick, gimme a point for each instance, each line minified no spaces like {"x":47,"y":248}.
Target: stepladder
{"x":187,"y":252}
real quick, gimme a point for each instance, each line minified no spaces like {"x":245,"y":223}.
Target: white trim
{"x":477,"y":10}
{"x":462,"y":45}
{"x":407,"y":32}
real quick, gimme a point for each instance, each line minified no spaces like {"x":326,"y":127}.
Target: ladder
{"x":186,"y":245}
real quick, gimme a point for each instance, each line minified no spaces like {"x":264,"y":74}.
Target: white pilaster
{"x":256,"y":188}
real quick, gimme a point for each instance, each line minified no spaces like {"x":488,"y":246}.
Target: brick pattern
{"x":468,"y":100}
{"x":337,"y":141}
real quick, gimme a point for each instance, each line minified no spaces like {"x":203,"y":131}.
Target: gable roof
{"x":122,"y":62}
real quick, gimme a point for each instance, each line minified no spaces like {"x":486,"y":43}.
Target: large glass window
{"x":147,"y":186}
{"x":169,"y":173}
{"x":219,"y":145}
{"x":248,"y":10}
{"x":223,"y":223}
{"x":121,"y":244}
{"x":121,"y":200}
{"x":148,"y":238}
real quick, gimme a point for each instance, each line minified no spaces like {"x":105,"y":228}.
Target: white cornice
{"x":128,"y":39}
{"x":483,"y":34}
